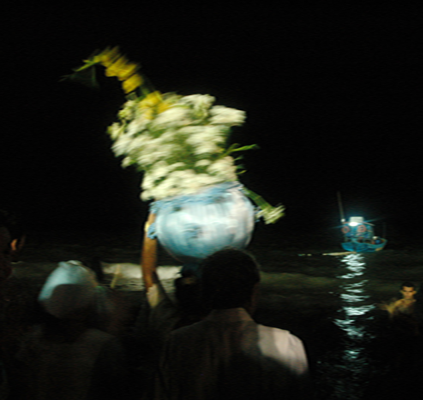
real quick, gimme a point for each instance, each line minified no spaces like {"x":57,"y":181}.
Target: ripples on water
{"x":330,"y":302}
{"x":351,"y":365}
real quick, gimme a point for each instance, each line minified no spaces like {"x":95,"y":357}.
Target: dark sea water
{"x":329,"y":300}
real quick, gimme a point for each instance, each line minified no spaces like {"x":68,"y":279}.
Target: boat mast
{"x":341,"y":210}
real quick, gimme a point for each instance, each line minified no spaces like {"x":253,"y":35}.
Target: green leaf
{"x":85,"y":76}
{"x":269,"y":213}
{"x":245,"y":148}
{"x":233,"y":148}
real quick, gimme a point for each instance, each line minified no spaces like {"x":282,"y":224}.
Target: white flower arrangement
{"x":178,"y":142}
{"x":181,"y":149}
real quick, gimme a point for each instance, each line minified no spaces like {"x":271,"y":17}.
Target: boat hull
{"x":360,"y":247}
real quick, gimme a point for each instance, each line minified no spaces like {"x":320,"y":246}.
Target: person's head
{"x":408,"y":290}
{"x":11,"y":241}
{"x":69,"y":291}
{"x":229,"y":279}
{"x":14,"y":226}
{"x":186,"y":290}
{"x":5,"y":254}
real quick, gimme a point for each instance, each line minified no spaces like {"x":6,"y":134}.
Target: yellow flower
{"x":152,"y":104}
{"x":163,"y":106}
{"x":108,"y":56}
{"x":133,"y":82}
{"x":148,"y":113}
{"x":119,"y":65}
{"x":151,"y":100}
{"x":126,"y":71}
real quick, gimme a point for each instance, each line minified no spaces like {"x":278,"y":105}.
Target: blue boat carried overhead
{"x":359,"y":236}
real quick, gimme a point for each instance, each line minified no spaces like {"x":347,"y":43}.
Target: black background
{"x":332,"y":95}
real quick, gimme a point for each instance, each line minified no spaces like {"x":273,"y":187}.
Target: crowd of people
{"x":72,"y":339}
{"x":69,"y":341}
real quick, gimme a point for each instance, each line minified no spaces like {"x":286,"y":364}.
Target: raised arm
{"x":149,"y":256}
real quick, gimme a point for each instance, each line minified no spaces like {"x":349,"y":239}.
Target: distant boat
{"x":359,"y":236}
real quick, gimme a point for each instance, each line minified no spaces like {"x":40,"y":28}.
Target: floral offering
{"x":178,"y":142}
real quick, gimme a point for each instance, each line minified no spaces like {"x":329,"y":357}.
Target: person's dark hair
{"x":3,"y":218}
{"x":228,"y":278}
{"x":187,"y":290}
{"x":408,"y":284}
{"x":188,"y":296}
{"x":12,"y":223}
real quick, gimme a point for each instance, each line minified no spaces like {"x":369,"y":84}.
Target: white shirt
{"x":228,"y":355}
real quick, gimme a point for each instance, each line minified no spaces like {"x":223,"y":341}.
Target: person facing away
{"x":12,"y":239}
{"x":160,"y":314}
{"x":228,"y":355}
{"x":15,"y":299}
{"x":64,"y":358}
{"x":5,"y":271}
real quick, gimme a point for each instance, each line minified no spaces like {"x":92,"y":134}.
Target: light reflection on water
{"x":352,"y":367}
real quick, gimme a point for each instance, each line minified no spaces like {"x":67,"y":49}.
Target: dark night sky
{"x":332,"y":95}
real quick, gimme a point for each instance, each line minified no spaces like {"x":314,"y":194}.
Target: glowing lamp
{"x":355,"y":221}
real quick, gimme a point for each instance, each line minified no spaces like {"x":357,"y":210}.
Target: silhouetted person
{"x":228,"y":355}
{"x":64,"y":358}
{"x":12,"y":239}
{"x":5,"y":271}
{"x":160,"y":314}
{"x":16,"y":301}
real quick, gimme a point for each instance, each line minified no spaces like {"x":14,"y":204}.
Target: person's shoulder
{"x":283,"y":347}
{"x":277,"y":335}
{"x":93,"y":335}
{"x":187,"y":336}
{"x":270,"y":330}
{"x":190,"y":329}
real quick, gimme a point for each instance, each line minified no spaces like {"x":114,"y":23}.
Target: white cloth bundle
{"x":70,"y":288}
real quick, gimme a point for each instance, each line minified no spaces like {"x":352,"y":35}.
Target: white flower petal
{"x":226,"y":116}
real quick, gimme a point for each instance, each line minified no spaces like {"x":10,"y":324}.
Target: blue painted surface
{"x":192,"y":227}
{"x":360,"y":238}
{"x":359,"y":247}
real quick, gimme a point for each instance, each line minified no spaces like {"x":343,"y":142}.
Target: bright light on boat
{"x":354,"y":221}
